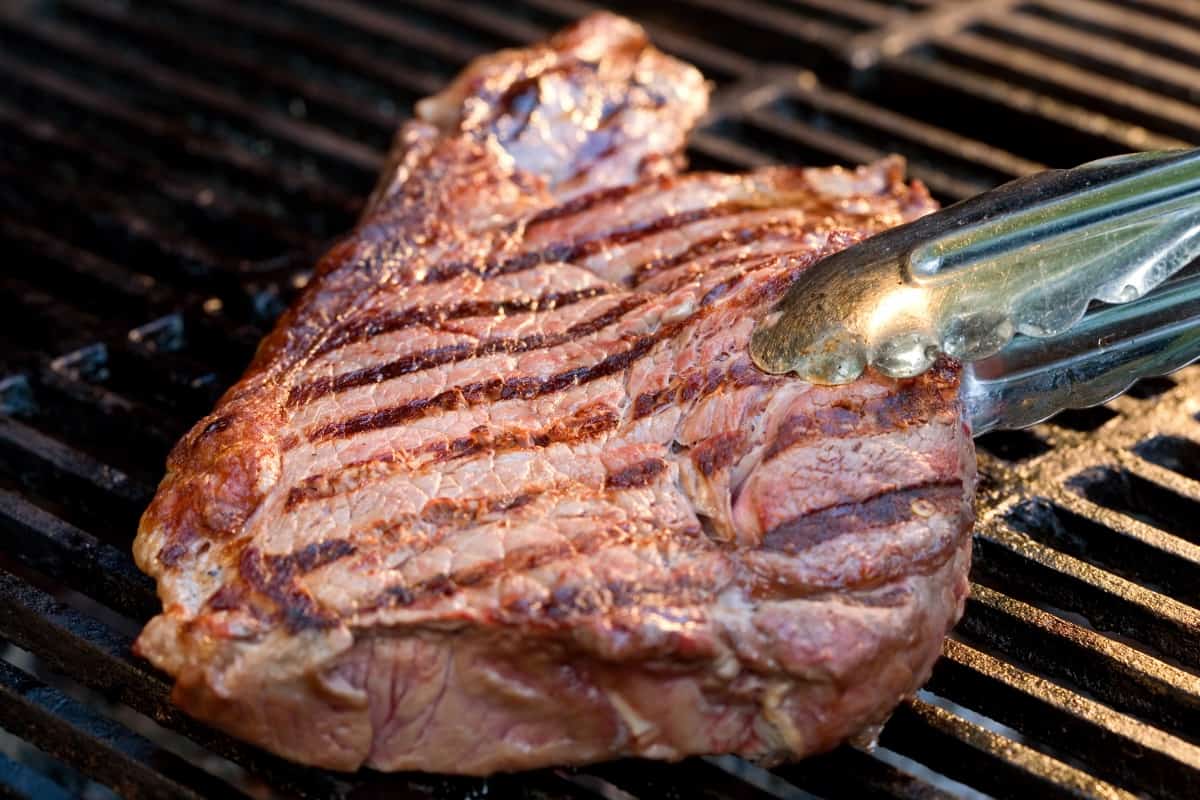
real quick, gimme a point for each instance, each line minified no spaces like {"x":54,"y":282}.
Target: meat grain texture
{"x":503,"y":488}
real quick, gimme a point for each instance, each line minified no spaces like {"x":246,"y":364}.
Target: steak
{"x":503,"y":489}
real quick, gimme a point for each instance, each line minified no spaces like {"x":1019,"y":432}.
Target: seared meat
{"x":504,"y":490}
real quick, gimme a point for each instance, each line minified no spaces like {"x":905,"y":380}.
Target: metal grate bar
{"x":335,"y":109}
{"x":837,"y":125}
{"x":99,"y":658}
{"x":19,"y":782}
{"x":1059,"y":718}
{"x":84,"y":650}
{"x":866,"y":49}
{"x":119,"y":286}
{"x":982,"y":758}
{"x":355,"y":161}
{"x":172,"y":141}
{"x":1115,"y":673}
{"x":695,"y":778}
{"x":1162,"y":75}
{"x":718,"y":63}
{"x":181,"y":257}
{"x":967,"y":98}
{"x":97,"y":746}
{"x":503,"y":29}
{"x":103,"y":411}
{"x":1119,"y":542}
{"x":398,"y":82}
{"x":81,"y":473}
{"x":1153,"y":28}
{"x":1011,"y":559}
{"x":40,"y":318}
{"x":689,"y":28}
{"x":946,"y":144}
{"x":58,"y":549}
{"x":243,"y":226}
{"x":1127,"y":101}
{"x":869,"y":776}
{"x":390,"y":26}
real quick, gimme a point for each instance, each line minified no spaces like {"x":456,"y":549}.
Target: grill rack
{"x":168,"y":170}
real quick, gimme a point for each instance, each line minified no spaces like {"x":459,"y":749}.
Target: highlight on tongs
{"x":1028,"y":257}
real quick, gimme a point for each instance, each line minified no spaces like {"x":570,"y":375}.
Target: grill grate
{"x":169,"y":168}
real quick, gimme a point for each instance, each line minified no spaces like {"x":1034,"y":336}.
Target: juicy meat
{"x":503,"y":488}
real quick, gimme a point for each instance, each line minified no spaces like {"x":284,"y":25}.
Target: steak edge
{"x":503,"y":489}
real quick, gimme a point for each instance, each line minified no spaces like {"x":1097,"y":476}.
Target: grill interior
{"x":170,"y":168}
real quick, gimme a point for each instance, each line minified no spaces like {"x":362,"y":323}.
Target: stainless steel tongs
{"x":1028,"y":258}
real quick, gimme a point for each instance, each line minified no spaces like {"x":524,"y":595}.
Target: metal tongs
{"x":1044,"y":283}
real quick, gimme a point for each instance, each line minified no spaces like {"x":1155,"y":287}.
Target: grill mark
{"x":450,"y":354}
{"x":589,"y":422}
{"x":460,"y":512}
{"x":313,"y":556}
{"x":636,"y":475}
{"x":364,"y":329}
{"x":889,"y":568}
{"x":574,"y":599}
{"x":884,"y":509}
{"x":580,"y":544}
{"x":405,"y":530}
{"x":278,"y":582}
{"x":530,"y":387}
{"x":568,"y":252}
{"x":717,"y":452}
{"x":678,"y":587}
{"x":738,"y":237}
{"x":584,"y":202}
{"x":915,"y":402}
{"x":492,"y":390}
{"x":940,"y":496}
{"x":700,"y":383}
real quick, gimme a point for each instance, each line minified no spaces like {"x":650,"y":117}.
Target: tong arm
{"x":1026,"y":257}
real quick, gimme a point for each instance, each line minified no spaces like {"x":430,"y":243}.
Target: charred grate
{"x":169,"y":169}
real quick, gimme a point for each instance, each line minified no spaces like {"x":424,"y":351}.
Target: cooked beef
{"x":503,"y":488}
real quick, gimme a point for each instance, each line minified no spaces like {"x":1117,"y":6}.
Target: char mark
{"x":275,"y":579}
{"x":699,"y":383}
{"x":717,"y":452}
{"x":588,"y":422}
{"x":915,"y":402}
{"x":572,"y":251}
{"x":313,"y":556}
{"x":729,"y":238}
{"x":440,"y":356}
{"x":636,"y":475}
{"x":489,"y":391}
{"x":367,"y":328}
{"x":584,"y":542}
{"x":528,"y":387}
{"x":889,"y":508}
{"x":584,"y":202}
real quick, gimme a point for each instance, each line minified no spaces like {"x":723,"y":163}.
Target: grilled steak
{"x":503,"y":488}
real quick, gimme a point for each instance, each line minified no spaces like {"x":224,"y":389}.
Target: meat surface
{"x":503,"y":488}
